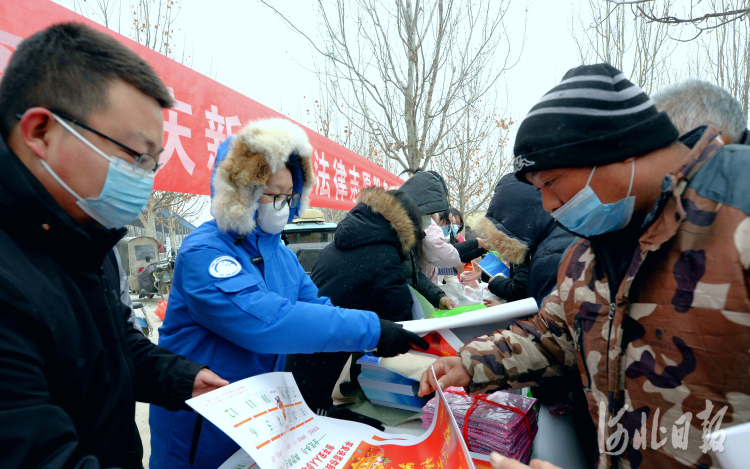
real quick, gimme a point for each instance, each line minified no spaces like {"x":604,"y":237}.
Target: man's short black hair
{"x":69,"y":67}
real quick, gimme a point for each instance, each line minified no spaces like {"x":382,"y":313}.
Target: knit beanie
{"x":593,"y":117}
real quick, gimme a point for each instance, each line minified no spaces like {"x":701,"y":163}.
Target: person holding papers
{"x":240,"y":300}
{"x":361,"y":269}
{"x":652,"y":306}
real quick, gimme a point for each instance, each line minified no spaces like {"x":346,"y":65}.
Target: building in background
{"x":162,"y":231}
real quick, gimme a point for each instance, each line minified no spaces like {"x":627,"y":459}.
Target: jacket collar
{"x":31,"y":216}
{"x":668,"y":213}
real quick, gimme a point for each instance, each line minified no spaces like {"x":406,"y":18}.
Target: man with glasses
{"x":81,"y":125}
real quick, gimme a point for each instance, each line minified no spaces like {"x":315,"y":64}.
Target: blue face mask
{"x":126,"y":190}
{"x":587,"y":216}
{"x":448,"y":229}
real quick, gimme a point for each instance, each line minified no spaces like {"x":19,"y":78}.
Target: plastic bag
{"x":462,"y":294}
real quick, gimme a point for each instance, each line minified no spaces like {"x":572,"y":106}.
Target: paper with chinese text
{"x":267,"y":417}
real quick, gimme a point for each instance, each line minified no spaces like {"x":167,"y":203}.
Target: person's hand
{"x":490,"y":302}
{"x":482,"y":243}
{"x":498,"y":461}
{"x":395,"y":340}
{"x":471,"y":275}
{"x":447,"y":302}
{"x":450,"y":371}
{"x":207,"y":381}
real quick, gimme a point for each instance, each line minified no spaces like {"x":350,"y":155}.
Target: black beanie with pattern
{"x":594,"y":116}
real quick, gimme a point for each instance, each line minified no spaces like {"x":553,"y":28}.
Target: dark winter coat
{"x":71,"y":366}
{"x":511,"y":288}
{"x":516,"y":210}
{"x":361,"y":269}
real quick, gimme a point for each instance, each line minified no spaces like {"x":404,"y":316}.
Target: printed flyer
{"x":266,"y":416}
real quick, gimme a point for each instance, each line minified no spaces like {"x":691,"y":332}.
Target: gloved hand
{"x":395,"y":340}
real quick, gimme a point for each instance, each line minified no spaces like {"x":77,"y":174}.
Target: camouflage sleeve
{"x":530,"y":351}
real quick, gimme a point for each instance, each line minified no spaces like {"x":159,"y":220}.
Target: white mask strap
{"x":632,"y":177}
{"x":60,"y":181}
{"x":80,"y":137}
{"x":590,"y":176}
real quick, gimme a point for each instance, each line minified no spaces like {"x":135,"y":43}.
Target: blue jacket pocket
{"x":246,"y":292}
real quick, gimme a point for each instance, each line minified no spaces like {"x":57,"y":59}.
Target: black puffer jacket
{"x":71,"y":366}
{"x":361,"y":269}
{"x":516,"y":210}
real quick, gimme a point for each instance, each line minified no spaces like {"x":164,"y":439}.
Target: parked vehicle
{"x":306,"y":236}
{"x":136,"y":253}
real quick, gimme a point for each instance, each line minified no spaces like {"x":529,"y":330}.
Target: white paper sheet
{"x":736,"y":452}
{"x":266,"y":416}
{"x":504,"y":312}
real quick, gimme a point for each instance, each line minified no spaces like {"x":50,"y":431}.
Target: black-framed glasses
{"x":280,"y":199}
{"x":143,"y":161}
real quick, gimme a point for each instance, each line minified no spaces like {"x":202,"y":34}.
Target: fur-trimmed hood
{"x":513,"y":250}
{"x":243,"y":165}
{"x":364,"y":224}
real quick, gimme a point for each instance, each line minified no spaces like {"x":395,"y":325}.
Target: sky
{"x":247,"y":47}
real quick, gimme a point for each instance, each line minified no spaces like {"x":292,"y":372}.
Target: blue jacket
{"x":240,"y":318}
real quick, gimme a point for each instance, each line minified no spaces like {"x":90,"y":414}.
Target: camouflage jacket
{"x":678,"y":338}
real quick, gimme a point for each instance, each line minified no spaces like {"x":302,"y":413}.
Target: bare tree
{"x":101,"y":10}
{"x":721,"y":43}
{"x":185,"y":207}
{"x":702,"y":15}
{"x":401,"y":68}
{"x":633,"y":44}
{"x":477,"y":161}
{"x":153,"y":24}
{"x":159,"y":201}
{"x":324,"y":115}
{"x":723,"y":57}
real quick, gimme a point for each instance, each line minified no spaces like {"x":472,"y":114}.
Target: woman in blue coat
{"x":240,"y":300}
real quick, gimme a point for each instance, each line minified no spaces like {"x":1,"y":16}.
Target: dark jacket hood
{"x":516,"y":209}
{"x":377,"y":218}
{"x":427,"y":191}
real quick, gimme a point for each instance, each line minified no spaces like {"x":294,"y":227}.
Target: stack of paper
{"x":491,"y":427}
{"x":388,"y":388}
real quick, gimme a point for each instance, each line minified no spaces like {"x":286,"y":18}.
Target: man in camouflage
{"x":652,"y":306}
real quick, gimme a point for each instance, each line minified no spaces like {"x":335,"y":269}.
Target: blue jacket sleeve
{"x":239,"y":310}
{"x":308,"y":291}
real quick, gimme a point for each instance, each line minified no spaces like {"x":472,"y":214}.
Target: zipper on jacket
{"x":612,"y":309}
{"x":578,"y":329}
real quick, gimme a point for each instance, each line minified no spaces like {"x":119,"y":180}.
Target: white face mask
{"x":270,"y":220}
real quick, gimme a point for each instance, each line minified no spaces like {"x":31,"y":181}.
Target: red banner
{"x":206,"y":113}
